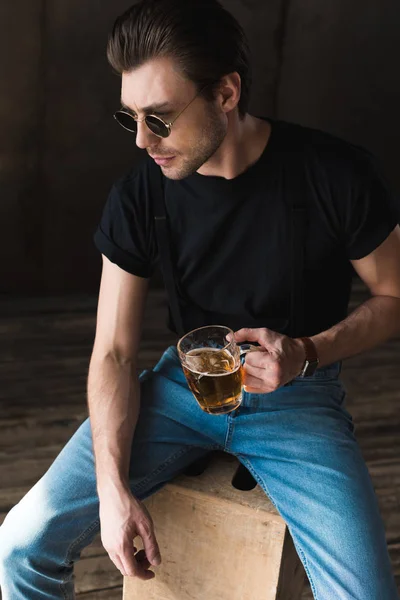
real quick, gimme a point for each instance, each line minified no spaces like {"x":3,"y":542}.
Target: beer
{"x":215,"y":378}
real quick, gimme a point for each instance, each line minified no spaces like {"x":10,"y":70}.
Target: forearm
{"x":370,"y":324}
{"x":114,"y":404}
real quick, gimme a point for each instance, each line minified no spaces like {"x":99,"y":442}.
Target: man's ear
{"x":228,"y":93}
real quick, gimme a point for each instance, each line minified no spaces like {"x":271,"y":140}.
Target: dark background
{"x":331,"y":65}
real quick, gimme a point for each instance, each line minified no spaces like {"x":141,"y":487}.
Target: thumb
{"x":247,"y":335}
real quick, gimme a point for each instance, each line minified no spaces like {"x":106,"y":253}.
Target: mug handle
{"x":245,"y":348}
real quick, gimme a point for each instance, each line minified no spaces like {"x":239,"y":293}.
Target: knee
{"x":10,"y":545}
{"x":11,"y":554}
{"x":21,"y":536}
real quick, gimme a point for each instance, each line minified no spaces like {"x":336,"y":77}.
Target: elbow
{"x":114,"y":355}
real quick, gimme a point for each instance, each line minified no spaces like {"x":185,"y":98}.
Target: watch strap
{"x":311,"y":361}
{"x":311,"y":351}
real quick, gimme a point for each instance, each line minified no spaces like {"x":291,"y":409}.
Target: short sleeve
{"x":125,"y":234}
{"x":370,"y":211}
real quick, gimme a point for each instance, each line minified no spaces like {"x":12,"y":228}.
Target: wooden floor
{"x":44,"y":356}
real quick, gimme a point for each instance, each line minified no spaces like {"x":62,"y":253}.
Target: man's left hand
{"x":279,"y":360}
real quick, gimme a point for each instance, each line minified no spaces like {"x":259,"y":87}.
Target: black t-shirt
{"x":231,"y":238}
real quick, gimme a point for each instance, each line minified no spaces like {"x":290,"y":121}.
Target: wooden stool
{"x":218,"y":542}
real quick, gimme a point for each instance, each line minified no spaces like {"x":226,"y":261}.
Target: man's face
{"x":197,"y":133}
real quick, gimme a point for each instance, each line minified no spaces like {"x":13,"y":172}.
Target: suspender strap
{"x":165,"y":253}
{"x":298,"y":243}
{"x":297,"y":294}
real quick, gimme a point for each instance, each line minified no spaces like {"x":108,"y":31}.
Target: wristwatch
{"x":312,"y":361}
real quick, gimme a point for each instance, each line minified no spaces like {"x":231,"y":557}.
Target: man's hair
{"x":205,"y":41}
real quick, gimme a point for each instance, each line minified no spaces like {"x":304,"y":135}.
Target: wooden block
{"x":218,"y":543}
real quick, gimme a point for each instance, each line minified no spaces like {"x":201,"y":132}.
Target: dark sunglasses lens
{"x":126,"y":121}
{"x":157,"y":126}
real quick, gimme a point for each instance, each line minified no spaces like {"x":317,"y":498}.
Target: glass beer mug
{"x":213,"y":367}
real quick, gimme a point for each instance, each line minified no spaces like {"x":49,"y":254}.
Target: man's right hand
{"x":122,"y":518}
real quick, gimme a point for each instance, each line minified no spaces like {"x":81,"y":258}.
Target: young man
{"x":233,"y":186}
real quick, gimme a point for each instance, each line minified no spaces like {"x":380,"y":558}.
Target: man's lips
{"x":162,"y":160}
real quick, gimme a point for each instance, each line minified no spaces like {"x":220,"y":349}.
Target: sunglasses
{"x":156,"y":125}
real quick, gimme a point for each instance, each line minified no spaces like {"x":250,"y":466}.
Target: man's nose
{"x":144,"y":137}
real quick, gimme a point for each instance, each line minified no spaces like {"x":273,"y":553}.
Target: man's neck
{"x":243,"y":145}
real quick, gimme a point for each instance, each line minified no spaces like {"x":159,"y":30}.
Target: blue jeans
{"x":298,"y":443}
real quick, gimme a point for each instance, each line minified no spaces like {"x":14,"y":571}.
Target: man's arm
{"x":114,"y":404}
{"x":113,"y":386}
{"x":372,"y":323}
{"x":377,"y":319}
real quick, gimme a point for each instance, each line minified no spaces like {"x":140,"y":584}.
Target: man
{"x":231,"y":181}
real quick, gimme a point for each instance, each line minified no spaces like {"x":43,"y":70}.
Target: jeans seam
{"x":67,"y":562}
{"x":305,"y":564}
{"x":267,"y":492}
{"x":257,"y":478}
{"x":166,"y":463}
{"x":75,"y":543}
{"x":64,"y":592}
{"x":229,"y":435}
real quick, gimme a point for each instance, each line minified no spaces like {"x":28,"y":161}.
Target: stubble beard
{"x":212,"y":136}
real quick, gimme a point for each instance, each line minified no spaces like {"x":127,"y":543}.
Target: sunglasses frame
{"x":168,"y":126}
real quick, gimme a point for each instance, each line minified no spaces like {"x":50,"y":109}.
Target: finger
{"x":259,"y":358}
{"x":131,"y":566}
{"x":259,"y":334}
{"x":134,"y":569}
{"x":150,"y":543}
{"x":142,"y":559}
{"x":246,"y":334}
{"x":270,"y":371}
{"x":254,"y":370}
{"x":250,"y":390}
{"x":253,"y":382}
{"x":263,"y":385}
{"x":115,"y":559}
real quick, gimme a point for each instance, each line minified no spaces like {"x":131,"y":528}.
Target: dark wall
{"x":331,"y":65}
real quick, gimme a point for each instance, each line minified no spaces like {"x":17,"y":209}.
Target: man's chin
{"x":175,"y":172}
